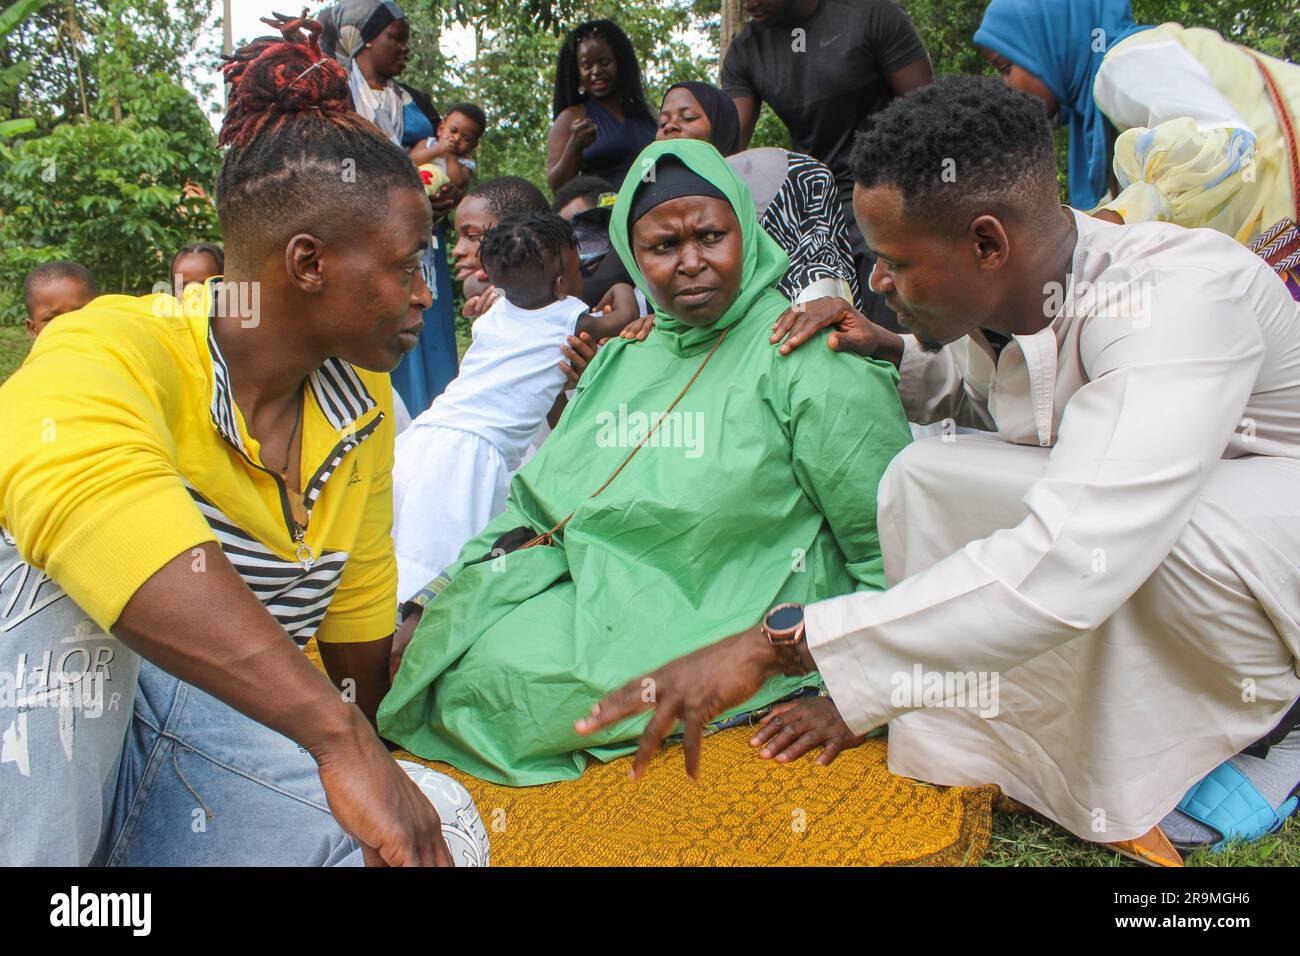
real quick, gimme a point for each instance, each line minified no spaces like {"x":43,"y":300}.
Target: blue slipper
{"x":1227,"y":802}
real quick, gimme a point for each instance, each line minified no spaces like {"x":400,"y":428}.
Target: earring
{"x":369,"y":45}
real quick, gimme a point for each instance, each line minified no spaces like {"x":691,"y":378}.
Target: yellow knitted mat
{"x":743,"y":812}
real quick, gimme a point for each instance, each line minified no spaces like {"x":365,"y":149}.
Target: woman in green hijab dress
{"x":758,"y":487}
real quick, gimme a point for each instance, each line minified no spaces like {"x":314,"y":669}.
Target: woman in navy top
{"x":602,"y":120}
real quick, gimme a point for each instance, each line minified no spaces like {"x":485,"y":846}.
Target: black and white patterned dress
{"x":805,"y":217}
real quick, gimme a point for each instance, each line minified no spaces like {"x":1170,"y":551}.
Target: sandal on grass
{"x":1152,"y":848}
{"x":1228,"y":803}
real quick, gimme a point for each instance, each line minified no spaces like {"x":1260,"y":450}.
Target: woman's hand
{"x":476,"y":305}
{"x":579,"y":353}
{"x":1109,"y":215}
{"x":638,"y":329}
{"x":443,"y":201}
{"x":694,"y":690}
{"x":581,"y":135}
{"x":854,"y":332}
{"x":616,"y":310}
{"x":791,"y":729}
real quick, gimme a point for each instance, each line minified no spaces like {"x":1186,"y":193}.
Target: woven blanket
{"x":743,"y":812}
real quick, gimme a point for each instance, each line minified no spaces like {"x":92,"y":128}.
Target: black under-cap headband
{"x":673,"y":179}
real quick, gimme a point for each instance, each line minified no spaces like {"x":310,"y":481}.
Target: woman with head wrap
{"x":1198,"y":131}
{"x":370,"y":39}
{"x":794,"y":193}
{"x":757,"y":487}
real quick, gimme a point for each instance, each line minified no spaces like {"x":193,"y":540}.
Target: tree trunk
{"x":732,"y":21}
{"x":69,"y":38}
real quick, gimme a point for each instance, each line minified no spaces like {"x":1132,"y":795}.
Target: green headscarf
{"x":765,"y":261}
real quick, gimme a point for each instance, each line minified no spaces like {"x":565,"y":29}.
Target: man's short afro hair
{"x":507,"y":196}
{"x":580,"y":187}
{"x":962,"y":142}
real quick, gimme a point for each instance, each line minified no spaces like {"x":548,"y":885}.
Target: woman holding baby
{"x":371,"y":40}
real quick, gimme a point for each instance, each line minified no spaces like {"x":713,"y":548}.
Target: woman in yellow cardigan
{"x":1166,"y":123}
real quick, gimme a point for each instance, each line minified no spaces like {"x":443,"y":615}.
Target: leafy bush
{"x":109,"y":195}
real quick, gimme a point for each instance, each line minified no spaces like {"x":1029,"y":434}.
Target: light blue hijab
{"x":1062,"y":43}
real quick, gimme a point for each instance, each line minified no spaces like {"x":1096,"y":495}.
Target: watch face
{"x":782,"y":619}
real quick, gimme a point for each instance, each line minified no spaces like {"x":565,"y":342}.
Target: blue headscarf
{"x":1062,"y":43}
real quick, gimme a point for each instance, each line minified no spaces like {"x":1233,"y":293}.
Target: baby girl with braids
{"x":454,"y":463}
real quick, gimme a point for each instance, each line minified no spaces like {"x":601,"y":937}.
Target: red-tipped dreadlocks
{"x":273,"y":79}
{"x":300,"y":158}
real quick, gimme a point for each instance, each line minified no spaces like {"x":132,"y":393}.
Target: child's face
{"x":193,"y":267}
{"x":55,"y":298}
{"x":460,"y":132}
{"x":473,"y":218}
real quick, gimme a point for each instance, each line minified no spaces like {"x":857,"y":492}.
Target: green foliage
{"x":107,"y":188}
{"x":14,"y":346}
{"x":107,"y":195}
{"x":16,"y":13}
{"x":56,"y":64}
{"x":947,"y":28}
{"x":1270,"y":26}
{"x":513,"y":75}
{"x":10,"y":76}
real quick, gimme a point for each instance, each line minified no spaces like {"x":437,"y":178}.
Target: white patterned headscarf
{"x":347,"y":27}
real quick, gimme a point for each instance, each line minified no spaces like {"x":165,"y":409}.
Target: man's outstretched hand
{"x":693,"y":690}
{"x":854,"y":332}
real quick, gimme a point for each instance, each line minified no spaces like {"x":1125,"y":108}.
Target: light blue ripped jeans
{"x":106,"y":759}
{"x":200,"y":784}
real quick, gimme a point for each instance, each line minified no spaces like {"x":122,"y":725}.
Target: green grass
{"x":14,"y":345}
{"x":1027,"y":839}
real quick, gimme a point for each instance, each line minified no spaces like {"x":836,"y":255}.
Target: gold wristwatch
{"x":783,"y":628}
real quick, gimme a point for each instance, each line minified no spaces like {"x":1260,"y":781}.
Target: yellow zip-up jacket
{"x":126,"y":449}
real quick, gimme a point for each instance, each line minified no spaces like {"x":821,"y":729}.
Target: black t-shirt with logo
{"x":825,"y":82}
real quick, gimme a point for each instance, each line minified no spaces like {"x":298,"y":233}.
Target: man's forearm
{"x":197,"y":620}
{"x":360,"y":671}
